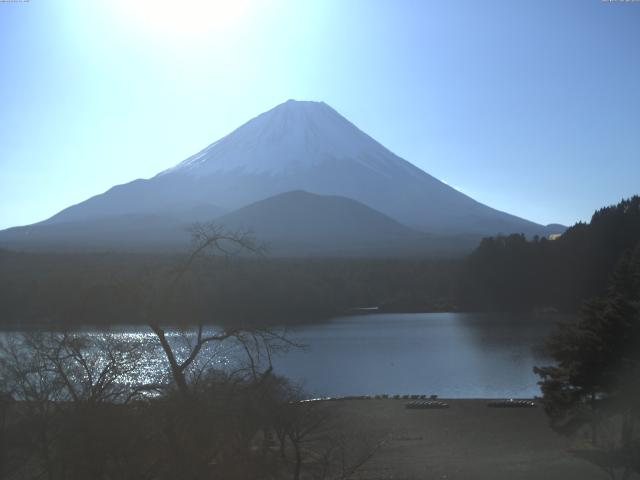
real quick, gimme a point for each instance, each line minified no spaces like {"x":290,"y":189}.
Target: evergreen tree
{"x":596,"y":379}
{"x":513,"y":273}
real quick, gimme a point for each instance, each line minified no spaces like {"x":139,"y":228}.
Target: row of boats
{"x":371,"y":397}
{"x":508,"y":403}
{"x":426,"y":401}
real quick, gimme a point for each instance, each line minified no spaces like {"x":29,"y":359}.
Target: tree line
{"x":514,"y":273}
{"x":100,"y":289}
{"x":504,"y":273}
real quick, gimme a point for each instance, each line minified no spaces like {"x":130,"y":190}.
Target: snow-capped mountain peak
{"x":290,"y":136}
{"x":300,"y":145}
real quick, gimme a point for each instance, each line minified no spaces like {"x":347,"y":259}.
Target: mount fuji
{"x":296,"y":146}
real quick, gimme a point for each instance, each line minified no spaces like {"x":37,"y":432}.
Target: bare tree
{"x":222,"y":414}
{"x":314,"y":444}
{"x":78,"y":418}
{"x":208,"y":240}
{"x":67,"y":389}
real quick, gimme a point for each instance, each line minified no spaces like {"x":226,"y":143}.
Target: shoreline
{"x":350,"y":398}
{"x":468,"y":440}
{"x":311,"y":320}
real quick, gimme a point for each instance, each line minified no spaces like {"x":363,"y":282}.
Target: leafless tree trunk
{"x":209,"y":240}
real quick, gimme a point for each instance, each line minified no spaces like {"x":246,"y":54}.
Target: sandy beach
{"x":468,"y":440}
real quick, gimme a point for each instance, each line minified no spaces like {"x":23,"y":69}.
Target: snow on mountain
{"x":307,"y":146}
{"x":290,"y":137}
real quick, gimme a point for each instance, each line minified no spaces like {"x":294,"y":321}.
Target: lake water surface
{"x":453,"y":355}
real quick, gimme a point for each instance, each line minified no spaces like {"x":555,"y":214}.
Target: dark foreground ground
{"x":466,"y":441}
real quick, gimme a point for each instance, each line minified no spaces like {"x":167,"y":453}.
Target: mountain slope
{"x":304,"y":223}
{"x":127,"y":232}
{"x":303,"y":146}
{"x":294,"y":223}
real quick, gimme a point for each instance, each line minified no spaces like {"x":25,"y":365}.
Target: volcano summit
{"x":296,"y":146}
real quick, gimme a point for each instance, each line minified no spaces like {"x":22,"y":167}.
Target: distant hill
{"x":302,"y":223}
{"x":294,"y":223}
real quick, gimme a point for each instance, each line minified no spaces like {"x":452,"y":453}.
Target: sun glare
{"x":183,"y":18}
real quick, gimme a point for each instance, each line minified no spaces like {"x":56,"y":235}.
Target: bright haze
{"x":516,"y":104}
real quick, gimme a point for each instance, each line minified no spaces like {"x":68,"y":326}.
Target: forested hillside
{"x":63,"y":289}
{"x":513,"y":273}
{"x":505,"y":273}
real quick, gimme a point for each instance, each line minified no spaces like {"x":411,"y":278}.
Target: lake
{"x":453,"y":355}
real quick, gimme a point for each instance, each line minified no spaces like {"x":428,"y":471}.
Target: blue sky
{"x":532,"y":107}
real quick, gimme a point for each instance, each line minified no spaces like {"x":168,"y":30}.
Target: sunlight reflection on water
{"x":451,"y":354}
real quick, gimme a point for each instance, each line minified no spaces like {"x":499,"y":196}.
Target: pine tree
{"x":596,"y":378}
